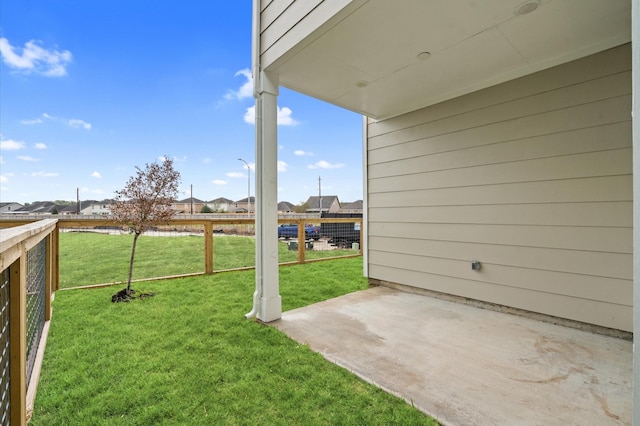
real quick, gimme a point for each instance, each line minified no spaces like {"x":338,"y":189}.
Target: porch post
{"x":635,"y":43}
{"x":269,"y":302}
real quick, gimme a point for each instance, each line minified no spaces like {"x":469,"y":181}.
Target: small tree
{"x":206,"y":209}
{"x":146,"y":201}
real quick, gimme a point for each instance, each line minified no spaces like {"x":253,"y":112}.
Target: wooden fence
{"x":211,"y":228}
{"x":29,"y":261}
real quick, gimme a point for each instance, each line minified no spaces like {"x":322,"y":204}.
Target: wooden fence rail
{"x":28,"y":261}
{"x":209,"y":228}
{"x":29,"y":265}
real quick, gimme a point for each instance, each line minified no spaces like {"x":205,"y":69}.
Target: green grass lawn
{"x":89,"y":258}
{"x":189,"y":357}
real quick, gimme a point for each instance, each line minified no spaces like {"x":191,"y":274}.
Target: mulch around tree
{"x":122,"y":296}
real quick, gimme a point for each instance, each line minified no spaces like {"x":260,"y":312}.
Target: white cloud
{"x":206,"y":160}
{"x":219,"y":182}
{"x":325,"y":165}
{"x":3,"y":179}
{"x":27,"y":158}
{"x":246,"y":90}
{"x":40,"y":145}
{"x":301,"y":153}
{"x":250,"y":115}
{"x":33,"y":58}
{"x":44,"y":174}
{"x":284,"y":116}
{"x":11,"y":145}
{"x":73,"y":122}
{"x":96,"y":175}
{"x":235,"y":174}
{"x":77,"y":124}
{"x":1,"y":160}
{"x":282,"y":166}
{"x":34,"y":121}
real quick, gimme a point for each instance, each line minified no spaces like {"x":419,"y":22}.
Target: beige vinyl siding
{"x":287,"y":24}
{"x":531,"y":177}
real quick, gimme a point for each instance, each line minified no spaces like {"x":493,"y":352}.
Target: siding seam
{"x":488,"y":106}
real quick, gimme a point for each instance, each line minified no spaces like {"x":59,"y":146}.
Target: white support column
{"x":635,"y":43}
{"x":269,"y":302}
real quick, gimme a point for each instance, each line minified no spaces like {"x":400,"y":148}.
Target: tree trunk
{"x":133,"y":253}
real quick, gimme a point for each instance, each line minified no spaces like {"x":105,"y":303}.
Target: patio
{"x":465,"y":365}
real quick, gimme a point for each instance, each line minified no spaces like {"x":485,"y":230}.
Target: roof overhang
{"x":384,"y":58}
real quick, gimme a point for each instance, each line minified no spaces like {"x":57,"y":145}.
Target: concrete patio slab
{"x":469,"y":366}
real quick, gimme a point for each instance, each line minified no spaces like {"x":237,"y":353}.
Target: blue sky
{"x":91,"y":89}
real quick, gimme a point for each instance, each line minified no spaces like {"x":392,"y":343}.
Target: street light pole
{"x":248,"y":187}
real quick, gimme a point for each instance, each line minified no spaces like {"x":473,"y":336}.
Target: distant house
{"x":354,"y":207}
{"x":241,"y":206}
{"x":286,"y":207}
{"x":87,"y":207}
{"x":221,"y":205}
{"x":188,"y":205}
{"x":330,"y":204}
{"x":70,"y":209}
{"x":42,"y":207}
{"x":9,"y":207}
{"x":101,"y":208}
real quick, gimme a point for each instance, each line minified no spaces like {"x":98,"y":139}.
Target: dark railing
{"x":36,"y":289}
{"x":5,"y":376}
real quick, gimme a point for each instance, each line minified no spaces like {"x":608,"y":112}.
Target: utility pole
{"x":78,"y":201}
{"x":191,"y":198}
{"x":320,"y":196}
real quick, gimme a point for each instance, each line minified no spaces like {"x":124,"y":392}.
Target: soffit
{"x":368,"y":61}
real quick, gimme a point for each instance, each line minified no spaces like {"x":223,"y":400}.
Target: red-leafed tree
{"x":146,"y":201}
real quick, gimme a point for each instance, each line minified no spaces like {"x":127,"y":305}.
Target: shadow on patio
{"x":465,"y":365}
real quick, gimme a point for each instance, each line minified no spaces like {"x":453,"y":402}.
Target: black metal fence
{"x":5,"y":376}
{"x":36,"y":290}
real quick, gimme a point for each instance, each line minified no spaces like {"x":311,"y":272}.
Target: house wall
{"x":243,"y":206}
{"x":532,"y":177}
{"x":101,"y":209}
{"x":334,"y":207}
{"x":186,"y":207}
{"x":285,"y":24}
{"x":221,"y":206}
{"x":9,"y":207}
